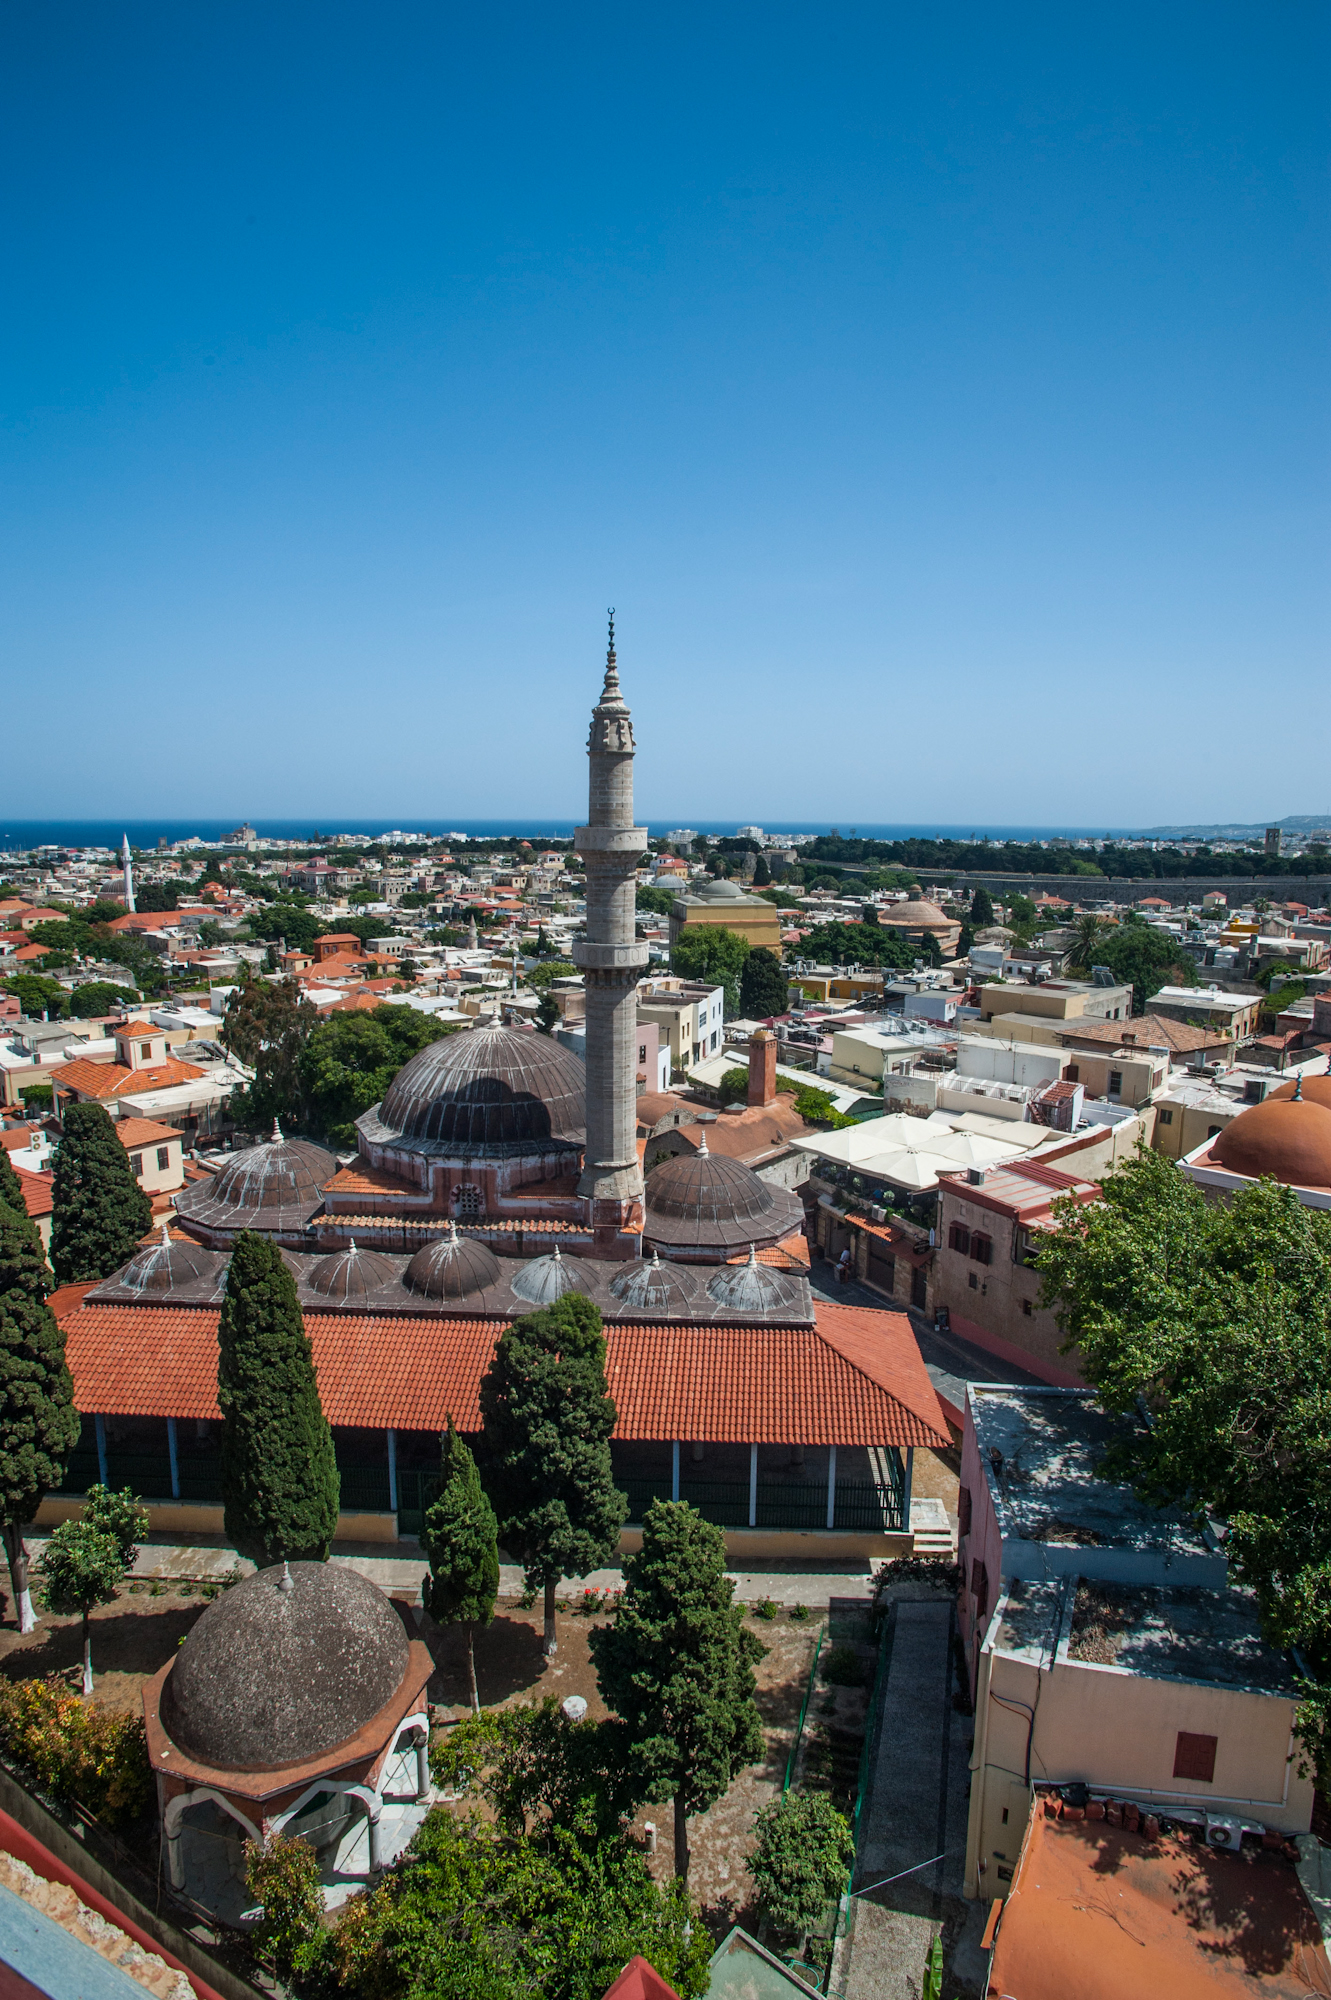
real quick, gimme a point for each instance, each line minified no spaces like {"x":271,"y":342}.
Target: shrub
{"x":284,"y":1878}
{"x":77,"y":1752}
{"x":766,"y":1607}
{"x":804,"y":1849}
{"x":799,"y":1614}
{"x":842,"y":1666}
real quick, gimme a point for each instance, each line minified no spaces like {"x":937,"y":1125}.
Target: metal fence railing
{"x":875,"y":1509}
{"x":809,"y":1686}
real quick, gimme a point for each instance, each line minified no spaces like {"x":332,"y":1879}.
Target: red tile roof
{"x":143,"y":1131}
{"x":856,"y":1380}
{"x":100,"y":1080}
{"x":37,"y":1198}
{"x":640,"y":1981}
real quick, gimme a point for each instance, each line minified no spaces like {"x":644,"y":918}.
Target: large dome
{"x":916,"y":916}
{"x":1312,"y":1089}
{"x":703,"y":1202}
{"x":275,"y":1187}
{"x":493,"y":1086}
{"x":720,"y":891}
{"x":272,"y":1676}
{"x":1286,"y":1138}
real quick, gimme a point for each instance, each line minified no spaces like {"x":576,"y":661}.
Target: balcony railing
{"x":857,"y":1507}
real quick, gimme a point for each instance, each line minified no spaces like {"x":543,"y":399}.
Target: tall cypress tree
{"x":279,"y":1476}
{"x":677,"y":1666}
{"x":39,"y":1425}
{"x":460,"y":1538}
{"x":11,"y":1187}
{"x":100,"y":1211}
{"x":548,"y":1419}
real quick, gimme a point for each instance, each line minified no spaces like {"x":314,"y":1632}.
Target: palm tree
{"x":1089,"y":931}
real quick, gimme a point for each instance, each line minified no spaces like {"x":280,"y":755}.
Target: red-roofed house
{"x":156,"y":1155}
{"x":142,"y":1064}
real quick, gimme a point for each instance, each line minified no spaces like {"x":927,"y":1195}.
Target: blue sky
{"x":938,"y":393}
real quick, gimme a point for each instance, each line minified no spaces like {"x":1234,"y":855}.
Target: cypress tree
{"x":39,"y":1425}
{"x":279,"y":1476}
{"x":548,"y":1419}
{"x":100,"y":1211}
{"x":676,"y":1665}
{"x":982,"y":908}
{"x":11,"y":1187}
{"x":460,"y":1538}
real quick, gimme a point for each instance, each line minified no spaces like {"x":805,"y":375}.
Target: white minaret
{"x":128,"y":866}
{"x":613,"y":963}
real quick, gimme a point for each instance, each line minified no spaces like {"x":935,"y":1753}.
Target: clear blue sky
{"x":938,"y":392}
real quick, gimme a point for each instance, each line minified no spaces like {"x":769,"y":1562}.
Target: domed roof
{"x":284,"y":1667}
{"x":166,"y":1265}
{"x":546,"y":1279}
{"x":1288,"y":1138}
{"x":453,"y":1268}
{"x":703,"y":1201}
{"x":276,"y":1186}
{"x":1311,"y":1089}
{"x":752,"y":1287}
{"x":351,"y":1274}
{"x":651,"y":1286}
{"x":493,"y":1086}
{"x":720,"y":891}
{"x":919,"y":915}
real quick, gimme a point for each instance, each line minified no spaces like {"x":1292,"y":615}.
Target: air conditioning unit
{"x":1224,"y":1832}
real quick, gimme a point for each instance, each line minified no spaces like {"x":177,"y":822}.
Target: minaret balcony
{"x":610,"y":839}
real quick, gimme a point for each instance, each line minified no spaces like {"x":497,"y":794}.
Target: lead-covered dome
{"x":1287,"y":1138}
{"x":348,"y":1276}
{"x":167,"y":1265}
{"x":546,"y":1279}
{"x":494,"y":1086}
{"x":703,"y":1202}
{"x":275,"y":1188}
{"x":284,"y":1668}
{"x":648,"y":1285}
{"x":453,"y":1268}
{"x":752,"y":1287}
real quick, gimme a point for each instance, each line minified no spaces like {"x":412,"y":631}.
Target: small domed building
{"x":1287,"y":1138}
{"x":296,"y":1705}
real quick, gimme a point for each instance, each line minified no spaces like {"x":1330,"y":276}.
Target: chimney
{"x":762,"y":1069}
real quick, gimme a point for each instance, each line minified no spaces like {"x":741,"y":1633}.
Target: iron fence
{"x":864,"y":1508}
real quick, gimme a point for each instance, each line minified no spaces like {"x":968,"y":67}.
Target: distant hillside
{"x":1292,"y":823}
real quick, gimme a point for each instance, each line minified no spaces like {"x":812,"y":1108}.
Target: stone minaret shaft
{"x":610,"y":845}
{"x":127,"y":868}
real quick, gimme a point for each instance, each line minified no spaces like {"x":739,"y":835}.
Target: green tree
{"x":714,"y":956}
{"x":547,"y":1013}
{"x":460,"y":1539}
{"x":655,"y":902}
{"x":266,"y":1025}
{"x":548,"y":1419}
{"x":982,"y":908}
{"x":99,"y":1211}
{"x":1090,"y":930}
{"x":763,"y":985}
{"x":81,"y":1567}
{"x":99,"y":996}
{"x":349,"y":1061}
{"x":121,"y":1515}
{"x":279,"y":1477}
{"x":41,"y":999}
{"x":536,"y":1769}
{"x":1215,"y":1319}
{"x":39,"y":1425}
{"x":1144,"y":958}
{"x":544,"y":975}
{"x":804,"y":1849}
{"x":676,"y":1664}
{"x":762,"y":873}
{"x":11,"y":1187}
{"x":860,"y":944}
{"x":282,"y":1876}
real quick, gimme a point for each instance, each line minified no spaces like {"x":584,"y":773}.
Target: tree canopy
{"x":548,"y":1419}
{"x":804,"y":1849}
{"x":1218,"y":1317}
{"x":39,"y":1425}
{"x":860,"y":944}
{"x":99,"y":1212}
{"x":266,"y":1025}
{"x":714,"y":956}
{"x":763,"y":985}
{"x":1145,"y":958}
{"x":460,"y":1539}
{"x":676,"y":1664}
{"x":348,"y":1062}
{"x":658,"y":902}
{"x":982,"y":908}
{"x":279,"y":1479}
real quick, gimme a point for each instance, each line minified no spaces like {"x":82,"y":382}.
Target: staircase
{"x":931,"y":1530}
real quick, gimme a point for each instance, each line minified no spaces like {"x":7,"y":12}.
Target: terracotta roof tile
{"x":856,"y":1380}
{"x":143,"y":1131}
{"x":102,"y":1080}
{"x":37,"y":1197}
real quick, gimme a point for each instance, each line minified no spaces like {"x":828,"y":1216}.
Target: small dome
{"x":651,"y":1286}
{"x":720,"y":891}
{"x":1288,"y":1138}
{"x":453,"y":1268}
{"x":274,"y":1187}
{"x":492,"y":1086}
{"x":166,"y":1265}
{"x":752,"y":1287}
{"x":546,"y":1279}
{"x":351,"y":1274}
{"x":916,"y":915}
{"x":284,"y":1667}
{"x":704,"y":1202}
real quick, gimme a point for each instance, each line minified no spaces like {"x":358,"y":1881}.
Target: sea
{"x":26,"y":834}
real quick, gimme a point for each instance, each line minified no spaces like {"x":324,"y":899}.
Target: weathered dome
{"x":351,"y":1274}
{"x":546,"y":1279}
{"x":648,"y":1285}
{"x":453,"y":1268}
{"x":166,"y":1265}
{"x":275,"y":1187}
{"x":919,"y":916}
{"x":720,"y":891}
{"x":704,"y":1202}
{"x":273,"y":1675}
{"x":1287,"y":1138}
{"x":752,"y":1287}
{"x":493,"y":1086}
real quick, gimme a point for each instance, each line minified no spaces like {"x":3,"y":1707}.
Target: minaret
{"x":613,"y":963}
{"x":128,"y":866}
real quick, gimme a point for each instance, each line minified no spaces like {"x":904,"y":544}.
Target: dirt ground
{"x":131,"y":1639}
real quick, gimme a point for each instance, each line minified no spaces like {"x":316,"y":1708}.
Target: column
{"x":831,"y":1486}
{"x":674,"y":1470}
{"x":422,"y":1766}
{"x":392,"y":1470}
{"x":753,"y":1485}
{"x":376,"y":1841}
{"x":99,"y":1426}
{"x":175,"y":1461}
{"x":908,"y":1469}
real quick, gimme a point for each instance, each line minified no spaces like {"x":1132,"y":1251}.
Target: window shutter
{"x":964,"y":1511}
{"x":1194,"y":1757}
